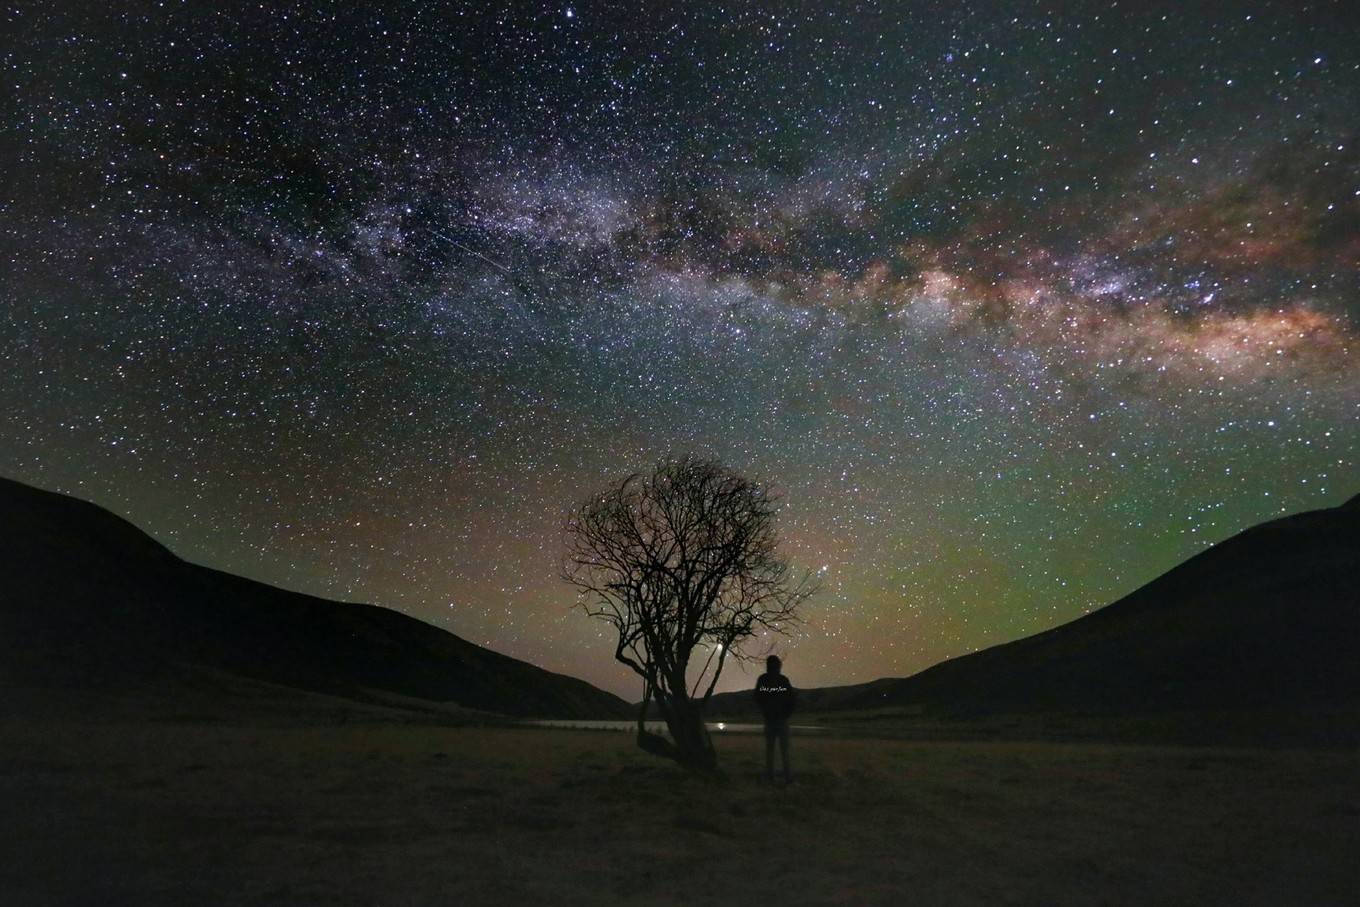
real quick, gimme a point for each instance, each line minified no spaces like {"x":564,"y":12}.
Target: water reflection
{"x":659,"y":727}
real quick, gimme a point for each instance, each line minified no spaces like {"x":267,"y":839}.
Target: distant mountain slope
{"x":88,"y":601}
{"x":1267,"y":619}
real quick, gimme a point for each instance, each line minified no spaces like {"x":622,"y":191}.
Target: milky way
{"x":1017,"y":307}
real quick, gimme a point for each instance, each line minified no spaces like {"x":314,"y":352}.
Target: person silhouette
{"x":776,"y":698}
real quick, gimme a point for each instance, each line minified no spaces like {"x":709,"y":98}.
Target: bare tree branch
{"x":682,"y":557}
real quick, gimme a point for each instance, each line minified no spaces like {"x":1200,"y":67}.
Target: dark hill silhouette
{"x":1266,"y":620}
{"x":91,"y":603}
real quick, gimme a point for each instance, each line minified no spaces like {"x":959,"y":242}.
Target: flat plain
{"x":374,"y":812}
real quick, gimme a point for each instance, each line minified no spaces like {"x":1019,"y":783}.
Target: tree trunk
{"x":690,"y":744}
{"x":646,"y":740}
{"x":694,"y":747}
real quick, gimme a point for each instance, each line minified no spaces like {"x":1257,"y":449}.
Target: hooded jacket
{"x":775,"y":697}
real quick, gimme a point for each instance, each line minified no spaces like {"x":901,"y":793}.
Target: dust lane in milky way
{"x":1019,"y":308}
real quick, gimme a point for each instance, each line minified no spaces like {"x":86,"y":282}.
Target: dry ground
{"x":197,"y":813}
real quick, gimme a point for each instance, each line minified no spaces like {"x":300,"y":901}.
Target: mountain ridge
{"x":135,"y":617}
{"x":1266,"y":619}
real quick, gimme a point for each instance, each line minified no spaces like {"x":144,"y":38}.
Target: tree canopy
{"x":678,"y":560}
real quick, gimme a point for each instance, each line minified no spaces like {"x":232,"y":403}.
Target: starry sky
{"x":1019,"y":304}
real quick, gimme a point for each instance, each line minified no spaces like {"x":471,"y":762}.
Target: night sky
{"x":1019,"y":305}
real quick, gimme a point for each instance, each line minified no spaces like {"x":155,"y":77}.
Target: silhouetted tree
{"x":680,"y":560}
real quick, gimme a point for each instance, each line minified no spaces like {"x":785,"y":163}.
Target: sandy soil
{"x":197,"y":813}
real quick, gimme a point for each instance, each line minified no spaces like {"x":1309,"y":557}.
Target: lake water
{"x":659,"y":727}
